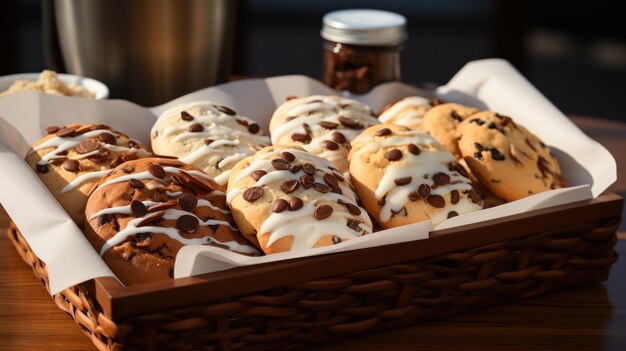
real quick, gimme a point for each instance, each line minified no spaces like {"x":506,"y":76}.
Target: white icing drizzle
{"x":168,"y":214}
{"x":232,"y":141}
{"x":406,"y":112}
{"x":420,"y":168}
{"x":83,"y":178}
{"x":301,"y":224}
{"x":328,"y":109}
{"x":173,"y":193}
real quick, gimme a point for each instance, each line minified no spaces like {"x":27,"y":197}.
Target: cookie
{"x":70,"y":161}
{"x":441,"y":122}
{"x":508,"y":159}
{"x":407,"y":112}
{"x":405,"y":176}
{"x":146,"y":210}
{"x":289,"y":199}
{"x":322,"y":125}
{"x":210,"y":136}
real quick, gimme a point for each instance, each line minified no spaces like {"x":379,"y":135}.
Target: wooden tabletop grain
{"x":588,"y":318}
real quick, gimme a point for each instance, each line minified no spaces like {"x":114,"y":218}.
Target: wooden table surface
{"x":588,"y":318}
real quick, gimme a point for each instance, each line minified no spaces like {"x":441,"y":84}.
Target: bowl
{"x":101,"y":91}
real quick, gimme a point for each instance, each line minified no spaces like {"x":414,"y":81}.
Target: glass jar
{"x":362,"y":48}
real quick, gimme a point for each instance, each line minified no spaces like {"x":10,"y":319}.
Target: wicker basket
{"x":295,"y":303}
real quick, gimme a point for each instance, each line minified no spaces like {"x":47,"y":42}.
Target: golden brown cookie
{"x":407,"y":112}
{"x":404,"y":176}
{"x":441,"y":122}
{"x":72,"y":159}
{"x":290,"y":199}
{"x":322,"y":125}
{"x":508,"y":159}
{"x":210,"y":136}
{"x":142,"y":213}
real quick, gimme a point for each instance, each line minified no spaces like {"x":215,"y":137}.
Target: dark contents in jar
{"x":360,"y":68}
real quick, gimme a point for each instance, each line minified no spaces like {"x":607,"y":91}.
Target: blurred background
{"x":575,"y":53}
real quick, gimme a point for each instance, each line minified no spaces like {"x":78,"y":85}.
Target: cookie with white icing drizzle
{"x":322,"y":125}
{"x":441,"y":122}
{"x":70,"y":161}
{"x":405,"y":176}
{"x":289,"y":199}
{"x":507,"y":158}
{"x":406,"y":112}
{"x":142,"y":213}
{"x":210,"y":136}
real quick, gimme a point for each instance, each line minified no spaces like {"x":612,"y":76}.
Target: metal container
{"x":147,"y":51}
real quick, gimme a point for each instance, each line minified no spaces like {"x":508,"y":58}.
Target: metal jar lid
{"x":364,"y":27}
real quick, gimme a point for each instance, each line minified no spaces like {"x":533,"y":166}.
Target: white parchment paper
{"x":588,"y":167}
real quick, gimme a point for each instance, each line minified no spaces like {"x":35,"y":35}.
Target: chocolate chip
{"x":71,"y":166}
{"x":225,"y":109}
{"x":254,"y":128}
{"x":349,"y":122}
{"x":156,"y":170}
{"x":414,"y":149}
{"x":382,"y":201}
{"x":393,"y":155}
{"x":455,"y":197}
{"x":87,"y":145}
{"x":496,"y":155}
{"x":423,"y":191}
{"x":456,"y":116}
{"x":185,"y":116}
{"x":323,"y":212}
{"x":243,"y":122}
{"x":479,"y":147}
{"x":328,"y":125}
{"x":455,"y":166}
{"x":187,"y":202}
{"x":354,"y":225}
{"x":413,"y":196}
{"x":477,"y":121}
{"x":256,"y":175}
{"x":290,"y":186}
{"x":452,"y":214}
{"x":252,"y":194}
{"x":301,"y":138}
{"x":474,"y":196}
{"x":322,"y":188}
{"x":107,"y":138}
{"x":295,"y":168}
{"x":336,"y":239}
{"x":330,"y":145}
{"x":281,"y":164}
{"x":441,"y":178}
{"x":52,"y":129}
{"x":280,"y":205}
{"x":295,"y":204}
{"x":478,"y":155}
{"x":331,"y":180}
{"x":138,"y":208}
{"x":187,"y":223}
{"x":545,"y":167}
{"x":383,"y":132}
{"x":309,"y":169}
{"x":307,"y":181}
{"x":288,"y":156}
{"x":65,"y":132}
{"x":353,"y":209}
{"x":435,"y":102}
{"x":339,"y":177}
{"x":208,"y":141}
{"x":436,"y":201}
{"x":196,"y":128}
{"x":402,"y":181}
{"x":338,"y":137}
